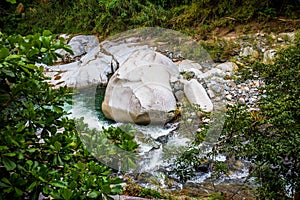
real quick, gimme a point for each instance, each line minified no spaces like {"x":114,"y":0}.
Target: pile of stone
{"x":145,"y":85}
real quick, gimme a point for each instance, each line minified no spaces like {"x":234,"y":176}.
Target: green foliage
{"x":106,"y":17}
{"x":11,"y":1}
{"x":40,"y":150}
{"x":114,"y":146}
{"x":122,"y":137}
{"x":149,"y":193}
{"x":270,"y":137}
{"x":89,"y":16}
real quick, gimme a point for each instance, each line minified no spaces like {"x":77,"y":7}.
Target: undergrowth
{"x":105,"y":17}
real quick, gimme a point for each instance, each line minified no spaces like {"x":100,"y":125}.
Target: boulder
{"x":81,"y":44}
{"x":196,"y":94}
{"x":227,"y":66}
{"x":92,"y":69}
{"x":121,"y":50}
{"x":140,"y":90}
{"x":212,"y":73}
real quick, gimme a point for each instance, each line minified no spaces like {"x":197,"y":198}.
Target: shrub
{"x":40,"y":150}
{"x":270,"y":137}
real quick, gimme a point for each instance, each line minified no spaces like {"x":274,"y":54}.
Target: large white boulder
{"x":140,"y":90}
{"x":92,"y":69}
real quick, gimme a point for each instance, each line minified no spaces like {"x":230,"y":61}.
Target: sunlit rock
{"x":196,"y":94}
{"x":140,"y":90}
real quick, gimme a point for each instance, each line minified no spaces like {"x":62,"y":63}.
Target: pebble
{"x":210,"y":93}
{"x":279,"y":39}
{"x":229,"y":97}
{"x":242,"y":100}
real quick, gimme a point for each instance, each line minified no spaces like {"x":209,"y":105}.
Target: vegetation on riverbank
{"x":105,"y":17}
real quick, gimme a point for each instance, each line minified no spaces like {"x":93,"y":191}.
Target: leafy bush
{"x":40,"y":150}
{"x":270,"y":137}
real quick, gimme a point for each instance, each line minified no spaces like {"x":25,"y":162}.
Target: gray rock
{"x":92,"y":69}
{"x":210,"y":93}
{"x":81,"y":45}
{"x":188,"y":65}
{"x":242,"y":100}
{"x":227,"y":66}
{"x":269,"y":56}
{"x":214,"y":72}
{"x":249,"y":51}
{"x":196,"y":94}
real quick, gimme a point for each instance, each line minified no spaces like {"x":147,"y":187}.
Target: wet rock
{"x":210,"y":93}
{"x":163,"y":139}
{"x":123,"y":197}
{"x":122,"y":50}
{"x":288,"y":36}
{"x":279,"y":39}
{"x":179,"y":95}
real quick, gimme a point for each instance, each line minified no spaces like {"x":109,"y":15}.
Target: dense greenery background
{"x":104,"y":17}
{"x":40,"y":149}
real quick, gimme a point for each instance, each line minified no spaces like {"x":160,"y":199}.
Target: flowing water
{"x":159,"y":145}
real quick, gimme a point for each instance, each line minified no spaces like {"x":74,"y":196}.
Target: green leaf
{"x":5,"y":182}
{"x":8,"y":164}
{"x":94,"y":194}
{"x":3,"y":148}
{"x":33,"y":52}
{"x":117,"y":189}
{"x":47,"y":33}
{"x":57,"y":145}
{"x":32,"y":185}
{"x":30,"y":66}
{"x":11,"y":1}
{"x":69,"y":50}
{"x":20,"y":127}
{"x":10,"y":154}
{"x":4,"y":52}
{"x":42,"y":179}
{"x":18,"y":192}
{"x":67,"y":193}
{"x":57,"y":184}
{"x":43,"y":50}
{"x":8,"y":72}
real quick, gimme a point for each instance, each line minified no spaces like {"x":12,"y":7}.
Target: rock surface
{"x":269,"y":56}
{"x":81,"y":45}
{"x":140,"y":90}
{"x":92,"y":69}
{"x":196,"y":94}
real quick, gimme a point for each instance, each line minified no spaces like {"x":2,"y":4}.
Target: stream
{"x":156,"y":156}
